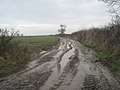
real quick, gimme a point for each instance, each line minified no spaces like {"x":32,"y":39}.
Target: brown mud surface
{"x":70,"y":67}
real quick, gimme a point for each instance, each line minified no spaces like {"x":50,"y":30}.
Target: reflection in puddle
{"x":65,"y":59}
{"x":62,"y":72}
{"x":59,"y":67}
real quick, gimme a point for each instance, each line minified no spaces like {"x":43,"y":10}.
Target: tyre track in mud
{"x":70,"y":67}
{"x":27,"y":79}
{"x":91,"y":83}
{"x":68,"y":47}
{"x":96,"y":77}
{"x":66,"y":71}
{"x":89,"y":75}
{"x":32,"y":78}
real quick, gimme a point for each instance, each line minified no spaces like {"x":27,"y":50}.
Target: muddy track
{"x":70,"y":67}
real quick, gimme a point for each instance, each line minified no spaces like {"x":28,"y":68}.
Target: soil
{"x":72,"y":66}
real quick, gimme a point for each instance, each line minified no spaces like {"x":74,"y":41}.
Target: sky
{"x":43,"y":17}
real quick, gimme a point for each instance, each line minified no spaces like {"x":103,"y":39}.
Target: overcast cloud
{"x":34,"y":17}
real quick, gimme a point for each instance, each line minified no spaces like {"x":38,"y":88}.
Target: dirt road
{"x":70,"y":67}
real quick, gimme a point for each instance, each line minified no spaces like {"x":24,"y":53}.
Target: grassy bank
{"x":18,"y":57}
{"x":106,"y":43}
{"x":105,"y":57}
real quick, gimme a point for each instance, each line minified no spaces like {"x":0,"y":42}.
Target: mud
{"x":70,"y":67}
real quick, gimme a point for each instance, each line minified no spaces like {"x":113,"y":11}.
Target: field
{"x":41,"y":42}
{"x":37,"y":39}
{"x":20,"y":56}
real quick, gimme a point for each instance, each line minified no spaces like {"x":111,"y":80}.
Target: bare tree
{"x":114,"y":10}
{"x":5,"y":38}
{"x":62,"y":29}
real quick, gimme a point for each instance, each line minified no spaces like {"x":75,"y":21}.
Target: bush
{"x":12,"y":54}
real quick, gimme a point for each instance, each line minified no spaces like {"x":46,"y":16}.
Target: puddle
{"x":59,"y":66}
{"x":62,"y":76}
{"x":43,"y":52}
{"x":65,"y":59}
{"x":62,"y":44}
{"x":34,"y":63}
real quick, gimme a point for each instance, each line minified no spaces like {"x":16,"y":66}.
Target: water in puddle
{"x":65,"y":59}
{"x":58,"y":69}
{"x":35,"y":62}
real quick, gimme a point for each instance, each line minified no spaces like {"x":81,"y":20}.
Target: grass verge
{"x":105,"y":57}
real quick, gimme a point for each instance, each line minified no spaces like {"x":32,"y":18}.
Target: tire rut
{"x":68,"y":69}
{"x":91,"y":83}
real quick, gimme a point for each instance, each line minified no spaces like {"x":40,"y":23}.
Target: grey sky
{"x":34,"y":17}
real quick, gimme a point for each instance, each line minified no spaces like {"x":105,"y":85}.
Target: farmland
{"x":41,"y":42}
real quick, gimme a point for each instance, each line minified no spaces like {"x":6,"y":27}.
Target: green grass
{"x":41,"y":42}
{"x":105,"y":57}
{"x":37,"y":39}
{"x":7,"y":67}
{"x":34,"y":43}
{"x":108,"y":60}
